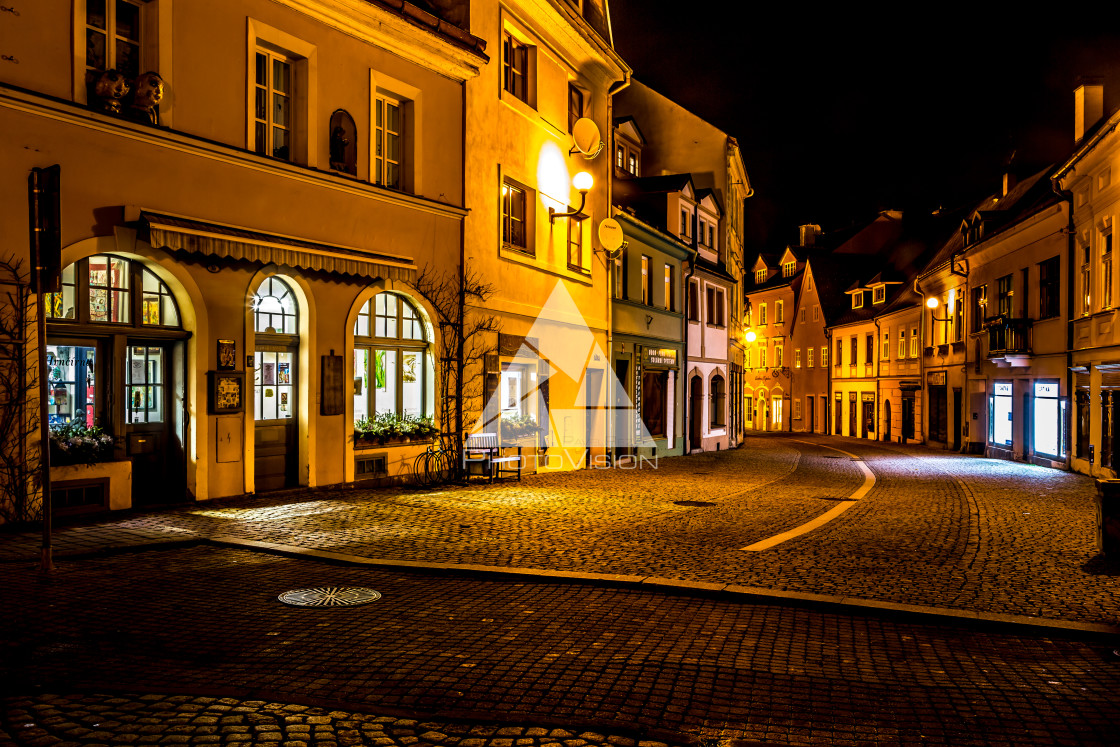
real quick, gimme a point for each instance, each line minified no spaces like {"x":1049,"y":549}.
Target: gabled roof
{"x":628,"y":126}
{"x":707,"y":197}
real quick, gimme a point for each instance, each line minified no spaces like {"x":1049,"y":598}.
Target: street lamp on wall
{"x":932,"y":303}
{"x":583,"y":183}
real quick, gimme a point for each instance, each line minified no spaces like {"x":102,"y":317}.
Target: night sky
{"x":840,"y":116}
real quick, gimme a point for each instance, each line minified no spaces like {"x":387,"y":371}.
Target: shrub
{"x":74,"y":443}
{"x":516,"y":426}
{"x":386,"y":425}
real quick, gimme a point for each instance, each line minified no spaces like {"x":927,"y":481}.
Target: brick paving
{"x":460,"y":652}
{"x":938,"y":530}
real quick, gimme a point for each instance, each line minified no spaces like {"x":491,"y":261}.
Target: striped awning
{"x":181,"y":234}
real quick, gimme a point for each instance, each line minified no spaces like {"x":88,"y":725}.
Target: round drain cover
{"x":329,"y":596}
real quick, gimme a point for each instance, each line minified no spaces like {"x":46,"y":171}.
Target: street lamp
{"x":583,"y":183}
{"x":751,"y":336}
{"x":932,"y":303}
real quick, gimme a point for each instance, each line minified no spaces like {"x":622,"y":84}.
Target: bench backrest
{"x":481,"y":441}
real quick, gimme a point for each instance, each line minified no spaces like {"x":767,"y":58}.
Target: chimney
{"x":809,"y":234}
{"x":1088,"y":106}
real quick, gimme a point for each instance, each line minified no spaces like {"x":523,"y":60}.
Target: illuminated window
{"x":797,"y":409}
{"x":901,"y":344}
{"x":669,"y":287}
{"x":1086,"y":282}
{"x":913,"y":342}
{"x":619,"y":157}
{"x":879,"y":294}
{"x":797,"y":358}
{"x":778,"y":357}
{"x":391,"y":358}
{"x":788,"y":269}
{"x":108,"y":284}
{"x":761,"y":314}
{"x":517,"y":206}
{"x":760,"y":276}
{"x":515,"y":68}
{"x":274,"y":308}
{"x":575,"y":245}
{"x":647,"y":282}
{"x":824,"y":356}
{"x":857,"y":300}
{"x":632,"y":163}
{"x":1106,"y":271}
{"x":979,"y":307}
{"x":885,"y":348}
{"x":779,"y":312}
{"x":808,"y":358}
{"x":776,"y":410}
{"x":274,"y":96}
{"x":718,"y":402}
{"x":575,"y":106}
{"x":387,"y":142}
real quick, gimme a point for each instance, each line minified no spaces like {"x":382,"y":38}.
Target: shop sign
{"x":661,"y":357}
{"x":935,"y":378}
{"x":1003,"y":390}
{"x":1042,"y":389}
{"x":868,"y":396}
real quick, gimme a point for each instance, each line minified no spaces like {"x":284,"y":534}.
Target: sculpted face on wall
{"x":112,"y":93}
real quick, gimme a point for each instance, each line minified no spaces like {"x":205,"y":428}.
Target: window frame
{"x":515,"y":50}
{"x":508,"y":188}
{"x":304,"y":130}
{"x":382,"y":102}
{"x":399,"y":344}
{"x":1050,"y":288}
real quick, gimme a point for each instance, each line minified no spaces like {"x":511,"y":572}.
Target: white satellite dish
{"x":586,"y":138}
{"x":610,"y":236}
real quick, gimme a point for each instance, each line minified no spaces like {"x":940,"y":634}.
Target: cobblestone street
{"x":936,"y":529}
{"x":142,"y":635}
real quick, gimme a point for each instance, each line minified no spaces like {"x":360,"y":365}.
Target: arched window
{"x":276,"y":322}
{"x":104,"y":289}
{"x":274,"y":308}
{"x":391,"y":358}
{"x":718,"y":398}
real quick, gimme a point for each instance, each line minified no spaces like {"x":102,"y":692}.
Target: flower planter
{"x":80,"y":488}
{"x":377,"y":443}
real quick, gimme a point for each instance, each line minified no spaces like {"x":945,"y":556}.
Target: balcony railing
{"x":1007,"y":336}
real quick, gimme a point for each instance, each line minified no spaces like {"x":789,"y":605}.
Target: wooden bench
{"x":482,"y":455}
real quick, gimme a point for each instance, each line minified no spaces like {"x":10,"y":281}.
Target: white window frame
{"x":305,"y":99}
{"x":857,"y":300}
{"x":779,"y":312}
{"x":759,"y":276}
{"x":824,"y":356}
{"x":411,"y":100}
{"x":270,"y":125}
{"x":797,"y":358}
{"x":879,"y":294}
{"x":788,"y":268}
{"x":808,"y":357}
{"x":762,"y":314}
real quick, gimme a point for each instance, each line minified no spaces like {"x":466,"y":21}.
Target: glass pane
{"x":392,"y":175}
{"x":120,"y":311}
{"x":98,"y":305}
{"x":361,"y":327}
{"x":145,"y":384}
{"x":385,"y":373}
{"x":128,"y":59}
{"x":380,"y":118}
{"x":361,"y":383}
{"x":281,"y":74}
{"x":261,"y":107}
{"x":260,"y":144}
{"x":285,"y":390}
{"x":95,"y":49}
{"x":412,"y":382}
{"x":168,"y":312}
{"x":262,"y":69}
{"x":280,"y":109}
{"x":98,"y":271}
{"x":151,"y":309}
{"x":95,"y":13}
{"x":71,"y":389}
{"x":128,"y":21}
{"x":1046,"y":425}
{"x":393,"y":146}
{"x":280,"y":143}
{"x":377,"y":144}
{"x":120,"y":274}
{"x":393,"y":117}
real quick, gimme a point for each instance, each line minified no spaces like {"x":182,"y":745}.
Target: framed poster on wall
{"x":227,"y":391}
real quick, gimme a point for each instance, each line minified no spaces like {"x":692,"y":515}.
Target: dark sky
{"x":842,"y":115}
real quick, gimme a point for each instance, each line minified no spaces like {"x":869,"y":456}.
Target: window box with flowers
{"x":519,"y":430}
{"x":390,"y":428}
{"x":84,"y":476}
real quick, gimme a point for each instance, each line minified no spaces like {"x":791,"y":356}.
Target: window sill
{"x":529,"y":259}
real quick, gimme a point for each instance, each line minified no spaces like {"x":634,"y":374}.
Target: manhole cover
{"x":693,"y":503}
{"x":329,"y":596}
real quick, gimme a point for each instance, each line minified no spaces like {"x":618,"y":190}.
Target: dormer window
{"x":759,"y":277}
{"x":879,"y":295}
{"x":788,"y":269}
{"x":857,"y":300}
{"x":632,"y":164}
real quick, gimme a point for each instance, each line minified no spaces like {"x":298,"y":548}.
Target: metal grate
{"x":329,"y":596}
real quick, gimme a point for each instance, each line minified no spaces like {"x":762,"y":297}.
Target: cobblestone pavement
{"x":937,"y":529}
{"x":182,"y":719}
{"x":632,"y":663}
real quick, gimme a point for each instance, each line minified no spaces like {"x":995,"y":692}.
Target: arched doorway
{"x":695,"y":412}
{"x":886,"y":420}
{"x":116,"y":358}
{"x":275,"y":384}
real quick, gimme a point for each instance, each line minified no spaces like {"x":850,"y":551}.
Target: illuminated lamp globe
{"x":583,"y":181}
{"x":932,"y":302}
{"x":751,"y":336}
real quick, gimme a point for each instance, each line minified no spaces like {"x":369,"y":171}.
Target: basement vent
{"x":368,"y":467}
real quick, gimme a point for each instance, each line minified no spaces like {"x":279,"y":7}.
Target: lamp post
{"x":583,"y":182}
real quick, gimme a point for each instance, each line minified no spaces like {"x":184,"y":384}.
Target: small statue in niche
{"x":344,"y":149}
{"x":147,"y":92}
{"x":109,"y":88}
{"x":339,"y":141}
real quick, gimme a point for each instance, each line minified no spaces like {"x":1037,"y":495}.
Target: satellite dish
{"x":610,"y":236}
{"x":586,"y":138}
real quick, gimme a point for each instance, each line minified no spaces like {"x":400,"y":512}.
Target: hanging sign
{"x":660,"y":357}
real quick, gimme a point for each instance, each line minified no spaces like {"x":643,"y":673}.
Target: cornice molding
{"x":374,"y":25}
{"x":29,"y":103}
{"x":565,"y":30}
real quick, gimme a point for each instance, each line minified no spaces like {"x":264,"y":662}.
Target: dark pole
{"x":43,"y":225}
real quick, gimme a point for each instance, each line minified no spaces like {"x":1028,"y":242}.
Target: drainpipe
{"x":878,"y":373}
{"x":686,"y":380}
{"x":614,"y":383}
{"x":1071,"y":249}
{"x":828,"y":383}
